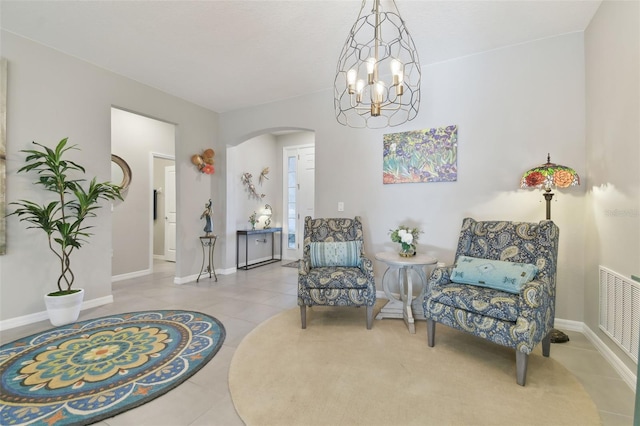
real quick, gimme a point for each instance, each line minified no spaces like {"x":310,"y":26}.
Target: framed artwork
{"x":429,"y":155}
{"x":3,"y":155}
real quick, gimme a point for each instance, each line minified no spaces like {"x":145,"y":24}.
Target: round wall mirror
{"x":120,"y":172}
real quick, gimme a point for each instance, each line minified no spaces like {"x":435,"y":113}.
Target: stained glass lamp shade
{"x":548,"y":176}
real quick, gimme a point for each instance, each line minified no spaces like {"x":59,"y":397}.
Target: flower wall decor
{"x":407,"y":237}
{"x":204,"y":162}
{"x":429,"y":155}
{"x":247,"y":179}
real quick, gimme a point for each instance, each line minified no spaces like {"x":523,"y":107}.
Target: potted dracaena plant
{"x":62,"y":219}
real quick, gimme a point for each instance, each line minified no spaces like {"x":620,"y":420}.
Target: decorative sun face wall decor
{"x":429,"y":155}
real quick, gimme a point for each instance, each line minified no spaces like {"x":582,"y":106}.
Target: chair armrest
{"x":440,"y":275}
{"x":533,"y":295}
{"x":366,"y":266}
{"x":303,"y":266}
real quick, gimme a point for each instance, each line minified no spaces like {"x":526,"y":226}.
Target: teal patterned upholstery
{"x":519,"y":321}
{"x":335,"y":285}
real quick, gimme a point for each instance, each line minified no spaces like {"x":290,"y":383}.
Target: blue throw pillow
{"x":343,"y":253}
{"x":496,"y":274}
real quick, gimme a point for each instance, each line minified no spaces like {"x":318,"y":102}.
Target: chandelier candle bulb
{"x":379,"y":93}
{"x":396,"y":65}
{"x":371,"y":66}
{"x":396,"y":71}
{"x":359,"y":88}
{"x":351,"y":79}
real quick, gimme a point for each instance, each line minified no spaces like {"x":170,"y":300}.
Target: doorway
{"x":137,"y":140}
{"x":299,"y":193}
{"x":164,"y":208}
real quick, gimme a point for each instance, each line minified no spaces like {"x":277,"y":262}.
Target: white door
{"x":299,"y":178}
{"x":170,"y":213}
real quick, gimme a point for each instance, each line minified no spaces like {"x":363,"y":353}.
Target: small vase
{"x":407,"y":252}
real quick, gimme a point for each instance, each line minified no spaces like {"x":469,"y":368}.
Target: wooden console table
{"x":257,"y":232}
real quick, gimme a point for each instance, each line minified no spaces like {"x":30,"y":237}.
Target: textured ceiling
{"x":226,"y":55}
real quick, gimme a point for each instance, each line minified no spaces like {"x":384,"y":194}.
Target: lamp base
{"x":548,"y":195}
{"x":558,"y":336}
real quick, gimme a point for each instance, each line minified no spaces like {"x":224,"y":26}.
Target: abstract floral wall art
{"x":429,"y":155}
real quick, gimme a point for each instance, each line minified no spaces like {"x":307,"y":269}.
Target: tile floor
{"x":245,"y":299}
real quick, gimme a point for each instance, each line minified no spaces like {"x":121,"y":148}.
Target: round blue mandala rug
{"x":91,"y":370}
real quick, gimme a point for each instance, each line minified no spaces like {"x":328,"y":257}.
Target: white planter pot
{"x":64,"y":309}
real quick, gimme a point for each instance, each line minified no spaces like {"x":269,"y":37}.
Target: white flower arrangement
{"x":406,"y":236}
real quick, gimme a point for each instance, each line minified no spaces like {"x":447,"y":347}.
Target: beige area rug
{"x":336,"y":372}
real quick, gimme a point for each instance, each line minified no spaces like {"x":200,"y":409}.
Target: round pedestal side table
{"x":405,"y":306}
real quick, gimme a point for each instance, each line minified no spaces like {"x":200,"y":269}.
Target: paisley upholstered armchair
{"x":502,"y":287}
{"x":333,"y":270}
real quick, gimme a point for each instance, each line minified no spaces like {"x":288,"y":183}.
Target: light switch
{"x":340,"y":206}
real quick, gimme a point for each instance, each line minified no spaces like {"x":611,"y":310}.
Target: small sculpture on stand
{"x":207,"y":215}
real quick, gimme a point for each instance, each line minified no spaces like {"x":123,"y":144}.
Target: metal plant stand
{"x":209,"y":243}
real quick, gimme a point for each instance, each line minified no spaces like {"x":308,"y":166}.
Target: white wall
{"x":52,"y":96}
{"x":612,"y":46}
{"x":134,"y":138}
{"x":512,"y":106}
{"x":252,"y":157}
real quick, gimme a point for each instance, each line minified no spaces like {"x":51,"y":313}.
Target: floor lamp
{"x":548,"y":176}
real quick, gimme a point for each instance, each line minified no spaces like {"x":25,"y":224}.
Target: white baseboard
{"x":562,"y":324}
{"x":192,"y":278}
{"x":43,"y":316}
{"x":628,"y":376}
{"x":129,"y":275}
{"x":187,"y":279}
{"x":625,"y":373}
{"x":254,"y":261}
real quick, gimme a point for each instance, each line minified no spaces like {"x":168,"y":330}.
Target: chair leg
{"x":303,"y":316}
{"x":546,"y":344}
{"x":431,"y":332}
{"x":522,"y":360}
{"x":369,"y":317}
